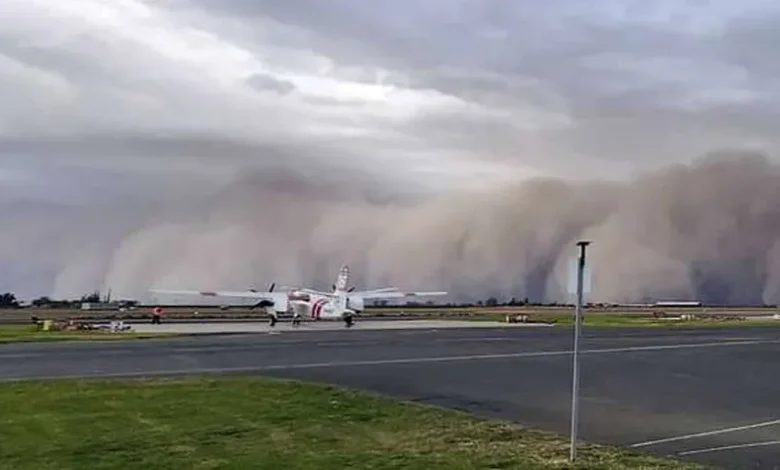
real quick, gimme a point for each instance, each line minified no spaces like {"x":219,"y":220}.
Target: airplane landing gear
{"x":296,"y":320}
{"x":349,"y":321}
{"x":272,"y":320}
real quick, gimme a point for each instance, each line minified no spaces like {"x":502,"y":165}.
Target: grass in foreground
{"x":29,"y":333}
{"x":240,"y":423}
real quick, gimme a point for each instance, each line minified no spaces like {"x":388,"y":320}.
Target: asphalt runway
{"x":286,"y":325}
{"x":709,"y":394}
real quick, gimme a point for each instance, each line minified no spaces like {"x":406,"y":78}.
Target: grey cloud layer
{"x":226,"y":143}
{"x":610,"y":81}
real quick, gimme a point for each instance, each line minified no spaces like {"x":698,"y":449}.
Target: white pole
{"x":575,"y":392}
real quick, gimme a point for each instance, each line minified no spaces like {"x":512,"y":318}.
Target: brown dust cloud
{"x":708,"y":231}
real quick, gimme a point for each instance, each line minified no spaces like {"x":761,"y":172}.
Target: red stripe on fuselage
{"x":321,"y":306}
{"x":316,"y":307}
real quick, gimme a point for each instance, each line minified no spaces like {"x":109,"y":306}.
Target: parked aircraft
{"x":342,"y":303}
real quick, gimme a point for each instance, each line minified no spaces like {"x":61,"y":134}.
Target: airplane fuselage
{"x":320,"y":307}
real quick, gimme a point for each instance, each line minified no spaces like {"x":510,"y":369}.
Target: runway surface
{"x":708,"y":394}
{"x":257,"y":327}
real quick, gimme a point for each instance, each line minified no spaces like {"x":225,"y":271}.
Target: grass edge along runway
{"x":31,"y":333}
{"x":609,"y":321}
{"x":263,"y":423}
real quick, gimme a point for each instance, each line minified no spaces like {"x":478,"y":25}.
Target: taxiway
{"x":264,"y":327}
{"x":707,"y":394}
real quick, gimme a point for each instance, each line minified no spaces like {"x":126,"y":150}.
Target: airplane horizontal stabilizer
{"x":397,"y":294}
{"x":240,"y":294}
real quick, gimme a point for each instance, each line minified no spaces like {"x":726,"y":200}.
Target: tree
{"x":91,"y":298}
{"x":8,"y":300}
{"x":42,"y":301}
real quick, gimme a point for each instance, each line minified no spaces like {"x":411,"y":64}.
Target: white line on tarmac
{"x":707,"y":433}
{"x":476,"y":340}
{"x":733,"y":447}
{"x":711,"y":344}
{"x":411,"y":360}
{"x":20,"y":355}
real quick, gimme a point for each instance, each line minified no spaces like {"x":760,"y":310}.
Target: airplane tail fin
{"x":342,"y":280}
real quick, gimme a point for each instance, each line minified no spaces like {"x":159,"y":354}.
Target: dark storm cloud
{"x":613,"y":82}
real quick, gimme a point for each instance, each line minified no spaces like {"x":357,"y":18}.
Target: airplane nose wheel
{"x":348,"y":321}
{"x":272,"y":320}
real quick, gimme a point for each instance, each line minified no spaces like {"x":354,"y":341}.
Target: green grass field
{"x":596,"y":320}
{"x":30,"y":333}
{"x":606,"y":320}
{"x":254,"y":423}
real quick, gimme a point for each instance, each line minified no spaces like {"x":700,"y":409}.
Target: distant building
{"x":99,"y":306}
{"x":116,"y":305}
{"x":678,"y":303}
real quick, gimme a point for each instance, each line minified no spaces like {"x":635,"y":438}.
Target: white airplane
{"x":342,"y":303}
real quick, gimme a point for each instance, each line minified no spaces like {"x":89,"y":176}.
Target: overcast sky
{"x":440,"y":87}
{"x":117,"y":102}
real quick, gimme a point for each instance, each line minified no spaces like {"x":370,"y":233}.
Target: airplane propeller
{"x":348,"y":290}
{"x":264,"y":302}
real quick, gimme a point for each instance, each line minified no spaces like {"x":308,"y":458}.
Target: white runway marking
{"x":708,"y":433}
{"x":414,"y":360}
{"x":733,"y":447}
{"x":211,"y":348}
{"x":20,"y":355}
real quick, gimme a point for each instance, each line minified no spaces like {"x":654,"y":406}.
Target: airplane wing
{"x":304,"y":290}
{"x":377,"y":291}
{"x":224,"y":293}
{"x":279,"y":299}
{"x":395,"y":294}
{"x":315,"y":292}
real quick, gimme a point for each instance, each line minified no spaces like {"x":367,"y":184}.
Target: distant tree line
{"x":489,"y":302}
{"x":9,"y":300}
